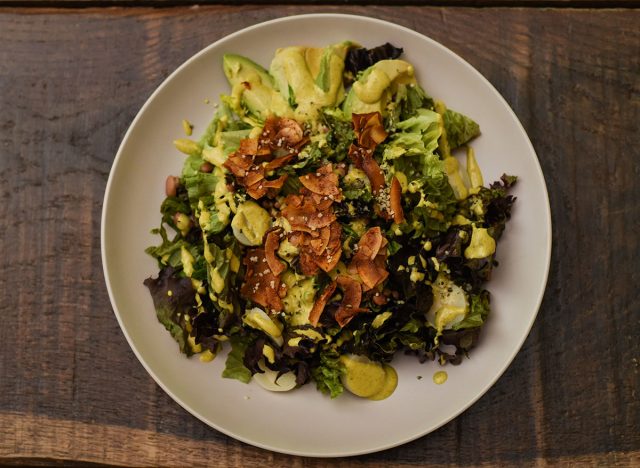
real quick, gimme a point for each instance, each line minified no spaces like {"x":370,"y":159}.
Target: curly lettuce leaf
{"x":327,"y":374}
{"x":361,"y":58}
{"x":173,"y":298}
{"x":494,"y":205}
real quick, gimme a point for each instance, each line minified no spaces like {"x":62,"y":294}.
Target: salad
{"x":321,"y":225}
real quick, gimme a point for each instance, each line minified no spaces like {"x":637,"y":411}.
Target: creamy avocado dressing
{"x":257,"y":318}
{"x":300,"y":297}
{"x":440,"y":377}
{"x":310,"y":78}
{"x":482,"y":244}
{"x":376,"y":86}
{"x":373,"y":85}
{"x":310,"y":333}
{"x":368,"y":379}
{"x":269,"y":353}
{"x":473,"y":169}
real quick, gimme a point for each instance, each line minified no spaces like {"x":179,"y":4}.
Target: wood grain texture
{"x":70,"y":388}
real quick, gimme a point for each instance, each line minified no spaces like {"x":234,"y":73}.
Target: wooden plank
{"x":42,"y":430}
{"x":70,"y":83}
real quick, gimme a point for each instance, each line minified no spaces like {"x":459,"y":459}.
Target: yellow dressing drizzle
{"x":440,"y":377}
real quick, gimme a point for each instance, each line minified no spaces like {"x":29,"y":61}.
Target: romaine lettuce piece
{"x":459,"y":128}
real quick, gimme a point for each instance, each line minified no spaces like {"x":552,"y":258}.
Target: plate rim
{"x":545,"y":202}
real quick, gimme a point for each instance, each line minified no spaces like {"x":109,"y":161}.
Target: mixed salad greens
{"x":321,"y":225}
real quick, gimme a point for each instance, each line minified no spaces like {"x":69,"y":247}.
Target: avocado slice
{"x":376,"y":86}
{"x":254,"y":87}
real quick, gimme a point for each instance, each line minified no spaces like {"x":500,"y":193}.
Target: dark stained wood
{"x":72,"y":391}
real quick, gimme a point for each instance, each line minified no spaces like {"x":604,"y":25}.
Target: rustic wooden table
{"x":72,"y":76}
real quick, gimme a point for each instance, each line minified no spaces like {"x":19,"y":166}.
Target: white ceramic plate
{"x":306,"y":422}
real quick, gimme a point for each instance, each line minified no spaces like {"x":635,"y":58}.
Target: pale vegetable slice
{"x":269,"y":380}
{"x":450,"y":304}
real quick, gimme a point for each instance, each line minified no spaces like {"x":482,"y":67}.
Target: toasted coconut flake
{"x":322,"y":182}
{"x":334,"y":247}
{"x":308,"y":264}
{"x":330,"y":258}
{"x":258,"y":280}
{"x":396,"y":201}
{"x":370,"y":243}
{"x":370,"y":273}
{"x":369,"y":129}
{"x":238,"y":164}
{"x":316,"y":231}
{"x":352,"y":291}
{"x":370,"y":259}
{"x":321,"y":302}
{"x":268,"y":134}
{"x":319,"y":244}
{"x":323,"y":202}
{"x":351,"y":299}
{"x":257,"y":190}
{"x":279,"y":162}
{"x":276,"y":183}
{"x":254,"y":176}
{"x":297,"y":238}
{"x":271,"y":244}
{"x":374,"y":173}
{"x":248,"y":147}
{"x":328,"y":261}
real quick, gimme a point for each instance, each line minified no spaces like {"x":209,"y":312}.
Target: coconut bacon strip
{"x":369,"y":261}
{"x":351,"y":299}
{"x":396,"y":201}
{"x":271,"y":244}
{"x":320,"y":303}
{"x":260,"y":284}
